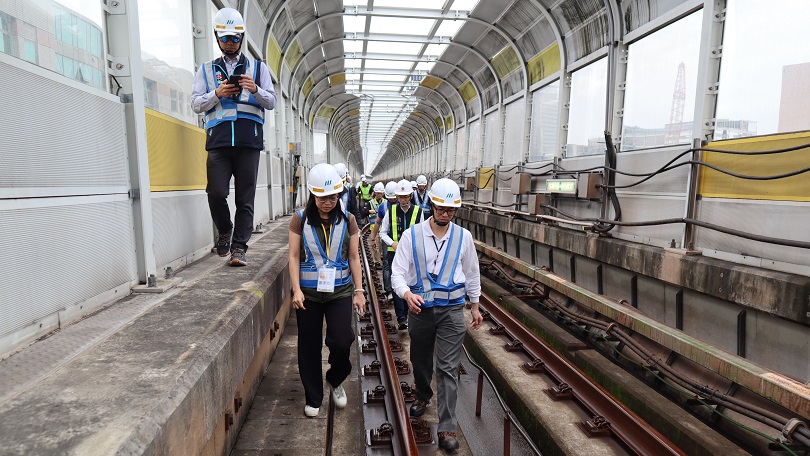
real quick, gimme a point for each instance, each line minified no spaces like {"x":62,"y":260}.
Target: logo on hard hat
{"x":329,"y":182}
{"x":449,"y":195}
{"x":230,"y":21}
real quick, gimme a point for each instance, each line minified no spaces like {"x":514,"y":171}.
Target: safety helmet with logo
{"x":391,"y":190}
{"x":341,"y":170}
{"x":379,"y":187}
{"x":228,"y":21}
{"x":403,"y":188}
{"x":444,"y":192}
{"x":323,"y":180}
{"x":413,"y":185}
{"x":421,"y":180}
{"x":363,"y":178}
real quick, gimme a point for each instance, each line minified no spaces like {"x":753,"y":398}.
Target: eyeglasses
{"x":326,"y":199}
{"x":445,"y":210}
{"x":233,"y":38}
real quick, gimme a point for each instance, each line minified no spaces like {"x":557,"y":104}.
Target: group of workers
{"x":429,"y":264}
{"x":430,"y":270}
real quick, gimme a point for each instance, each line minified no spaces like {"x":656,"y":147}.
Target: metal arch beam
{"x":421,"y":121}
{"x":414,"y":39}
{"x":411,"y":121}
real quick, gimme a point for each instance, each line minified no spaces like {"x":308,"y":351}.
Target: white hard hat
{"x":323,"y":180}
{"x":228,"y":21}
{"x":391,"y":189}
{"x":403,"y":188}
{"x":421,"y":180}
{"x":341,"y":170}
{"x":379,"y":187}
{"x":444,"y":192}
{"x":413,"y":185}
{"x":363,"y":178}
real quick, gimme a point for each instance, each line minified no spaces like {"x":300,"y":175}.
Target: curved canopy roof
{"x":388,"y":80}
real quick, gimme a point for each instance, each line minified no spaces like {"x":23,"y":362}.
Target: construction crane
{"x":678,"y":101}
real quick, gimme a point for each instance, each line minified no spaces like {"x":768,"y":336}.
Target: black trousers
{"x":339,"y":339}
{"x":243,"y":164}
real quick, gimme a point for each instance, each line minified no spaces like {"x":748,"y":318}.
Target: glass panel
{"x":586,"y":119}
{"x":661,"y":77}
{"x":543,"y":140}
{"x":765,"y":69}
{"x":474,"y":154}
{"x":42,"y":29}
{"x":167,"y":53}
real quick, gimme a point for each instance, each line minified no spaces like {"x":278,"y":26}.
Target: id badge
{"x":326,"y":279}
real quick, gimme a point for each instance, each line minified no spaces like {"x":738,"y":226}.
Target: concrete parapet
{"x":171,"y":381}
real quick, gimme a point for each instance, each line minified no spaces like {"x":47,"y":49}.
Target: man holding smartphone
{"x":232,"y":92}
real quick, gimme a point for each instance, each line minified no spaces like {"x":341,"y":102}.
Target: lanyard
{"x":438,"y":250}
{"x":327,"y":239}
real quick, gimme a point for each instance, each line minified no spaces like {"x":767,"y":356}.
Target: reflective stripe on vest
{"x":444,"y":292}
{"x":423,"y":201}
{"x":309,"y":268}
{"x":228,"y":110}
{"x":374,"y":206}
{"x":394,"y":233}
{"x":344,"y":203}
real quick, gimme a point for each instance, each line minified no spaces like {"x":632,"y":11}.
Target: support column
{"x":124,"y":47}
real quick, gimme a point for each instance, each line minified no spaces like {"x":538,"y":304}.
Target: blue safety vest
{"x":423,"y":202}
{"x":441,"y":291}
{"x":228,"y":110}
{"x":344,"y":203}
{"x":309,"y":267}
{"x":372,"y":219}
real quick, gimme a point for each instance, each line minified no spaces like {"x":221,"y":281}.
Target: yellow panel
{"x":430,"y":82}
{"x":326,"y":111}
{"x":417,"y":113}
{"x":176,"y":152}
{"x":273,"y":56}
{"x":311,"y":118}
{"x":402,"y":131}
{"x":438,"y":121}
{"x":545,"y":63}
{"x":337,"y":79}
{"x":467,"y":91}
{"x":354,"y":112}
{"x":505,"y":62}
{"x":448,"y":123}
{"x":714,"y":184}
{"x":294,"y":54}
{"x":486,"y":178}
{"x":308,"y":84}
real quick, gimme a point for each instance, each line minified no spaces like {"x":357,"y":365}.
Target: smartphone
{"x":234,"y":79}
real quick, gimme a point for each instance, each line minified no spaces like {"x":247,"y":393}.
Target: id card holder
{"x":326,"y":279}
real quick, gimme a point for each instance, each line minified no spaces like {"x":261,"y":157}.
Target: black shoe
{"x":378,"y":267}
{"x":238,"y":257}
{"x":448,"y":442}
{"x":403,"y":326}
{"x":418,"y":407}
{"x":223,"y":244}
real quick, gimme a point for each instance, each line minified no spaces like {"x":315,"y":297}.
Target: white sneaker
{"x":339,"y":396}
{"x":311,"y":411}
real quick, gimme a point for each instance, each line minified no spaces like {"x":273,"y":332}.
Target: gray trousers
{"x":441,"y":329}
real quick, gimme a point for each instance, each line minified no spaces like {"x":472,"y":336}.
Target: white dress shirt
{"x":403,"y":269}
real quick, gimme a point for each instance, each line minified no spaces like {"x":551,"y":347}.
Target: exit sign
{"x":568,"y":186}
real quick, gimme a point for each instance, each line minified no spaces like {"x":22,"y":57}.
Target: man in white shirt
{"x":396,"y":221}
{"x":435,"y":269}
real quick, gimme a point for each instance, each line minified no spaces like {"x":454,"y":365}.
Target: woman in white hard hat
{"x":434,"y":271}
{"x":396,"y":221}
{"x":326,"y":282}
{"x":233,"y":91}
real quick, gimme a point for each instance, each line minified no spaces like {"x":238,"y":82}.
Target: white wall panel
{"x":492,"y":139}
{"x":60,"y":252}
{"x":461,"y":149}
{"x":474,"y":152}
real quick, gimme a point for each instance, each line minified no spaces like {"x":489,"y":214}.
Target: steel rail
{"x":388,"y":372}
{"x":636,"y":434}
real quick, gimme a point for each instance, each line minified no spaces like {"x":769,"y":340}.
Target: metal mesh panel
{"x":456,"y":78}
{"x":255,"y":21}
{"x":484,"y":78}
{"x":461,"y":149}
{"x":572,"y":13}
{"x":778,"y":219}
{"x":282,"y":30}
{"x":182,"y":225}
{"x":588,"y":38}
{"x":82,"y":144}
{"x":50,"y":237}
{"x":303,"y":13}
{"x":490,"y":97}
{"x":491,"y":44}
